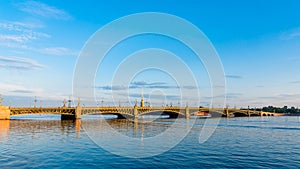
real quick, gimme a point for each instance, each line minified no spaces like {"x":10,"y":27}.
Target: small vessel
{"x":202,"y":114}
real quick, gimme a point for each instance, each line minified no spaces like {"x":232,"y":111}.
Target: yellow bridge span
{"x":129,"y":112}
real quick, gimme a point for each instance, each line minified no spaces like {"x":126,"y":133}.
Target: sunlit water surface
{"x":46,"y":142}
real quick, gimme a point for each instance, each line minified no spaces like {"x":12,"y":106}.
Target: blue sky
{"x":257,"y":42}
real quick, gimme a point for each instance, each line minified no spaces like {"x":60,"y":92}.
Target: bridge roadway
{"x":68,"y":113}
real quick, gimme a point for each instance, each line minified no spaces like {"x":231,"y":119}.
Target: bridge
{"x":71,"y":113}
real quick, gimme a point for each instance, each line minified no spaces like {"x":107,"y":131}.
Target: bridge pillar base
{"x":4,"y":113}
{"x":173,"y":116}
{"x":78,"y":111}
{"x":68,"y":117}
{"x":187,"y":112}
{"x":74,"y":116}
{"x":227,"y":113}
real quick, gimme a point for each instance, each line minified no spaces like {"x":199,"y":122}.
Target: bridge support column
{"x":135,"y":112}
{"x":187,"y":112}
{"x":75,"y":115}
{"x":78,"y":112}
{"x":4,"y":113}
{"x":261,"y":113}
{"x":227,"y":112}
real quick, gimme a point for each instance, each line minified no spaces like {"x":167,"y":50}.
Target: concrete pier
{"x":74,"y":116}
{"x":187,"y":112}
{"x":4,"y":113}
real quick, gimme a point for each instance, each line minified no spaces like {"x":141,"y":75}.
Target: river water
{"x":47,"y":142}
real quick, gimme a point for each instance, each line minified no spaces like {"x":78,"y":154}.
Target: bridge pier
{"x":135,"y":112}
{"x":4,"y":112}
{"x":187,"y":112}
{"x":77,"y":114}
{"x":227,"y":112}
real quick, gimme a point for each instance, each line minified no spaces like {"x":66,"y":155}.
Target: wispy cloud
{"x":145,"y":85}
{"x":19,"y":63}
{"x":234,"y":76}
{"x":280,"y":99}
{"x":152,"y":85}
{"x":116,"y":87}
{"x":58,"y":51}
{"x":233,"y":95}
{"x":227,"y":96}
{"x":260,"y":86}
{"x":294,"y":96}
{"x":17,"y":35}
{"x":23,"y":91}
{"x":21,"y":38}
{"x":290,"y":34}
{"x":18,"y":26}
{"x":295,"y":82}
{"x":43,"y":10}
{"x":152,"y":96}
{"x":19,"y":32}
{"x":21,"y":95}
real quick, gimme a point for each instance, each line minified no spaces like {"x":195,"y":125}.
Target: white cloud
{"x":19,"y":63}
{"x":19,"y":32}
{"x":14,"y":38}
{"x":19,"y":26}
{"x":58,"y":51}
{"x":22,"y":38}
{"x":44,"y":10}
{"x":233,"y":76}
{"x":20,"y":94}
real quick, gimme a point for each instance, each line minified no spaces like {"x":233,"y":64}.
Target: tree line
{"x":272,"y":109}
{"x":284,"y":109}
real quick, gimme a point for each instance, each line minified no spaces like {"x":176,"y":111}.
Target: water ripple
{"x":236,"y":143}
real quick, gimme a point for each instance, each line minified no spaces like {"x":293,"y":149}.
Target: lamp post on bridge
{"x":69,"y":102}
{"x":64,"y":103}
{"x":34,"y":102}
{"x":249,"y":111}
{"x":78,"y":104}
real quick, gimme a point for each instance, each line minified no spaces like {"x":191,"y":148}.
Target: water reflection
{"x":77,"y":127}
{"x":134,"y":127}
{"x":243,"y":142}
{"x":38,"y":127}
{"x":4,"y":129}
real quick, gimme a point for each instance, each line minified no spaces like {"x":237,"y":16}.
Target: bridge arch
{"x":171,"y":113}
{"x":121,"y":114}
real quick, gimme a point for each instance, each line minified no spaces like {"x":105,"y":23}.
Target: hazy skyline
{"x":257,"y":42}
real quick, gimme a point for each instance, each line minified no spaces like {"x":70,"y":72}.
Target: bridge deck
{"x":135,"y":111}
